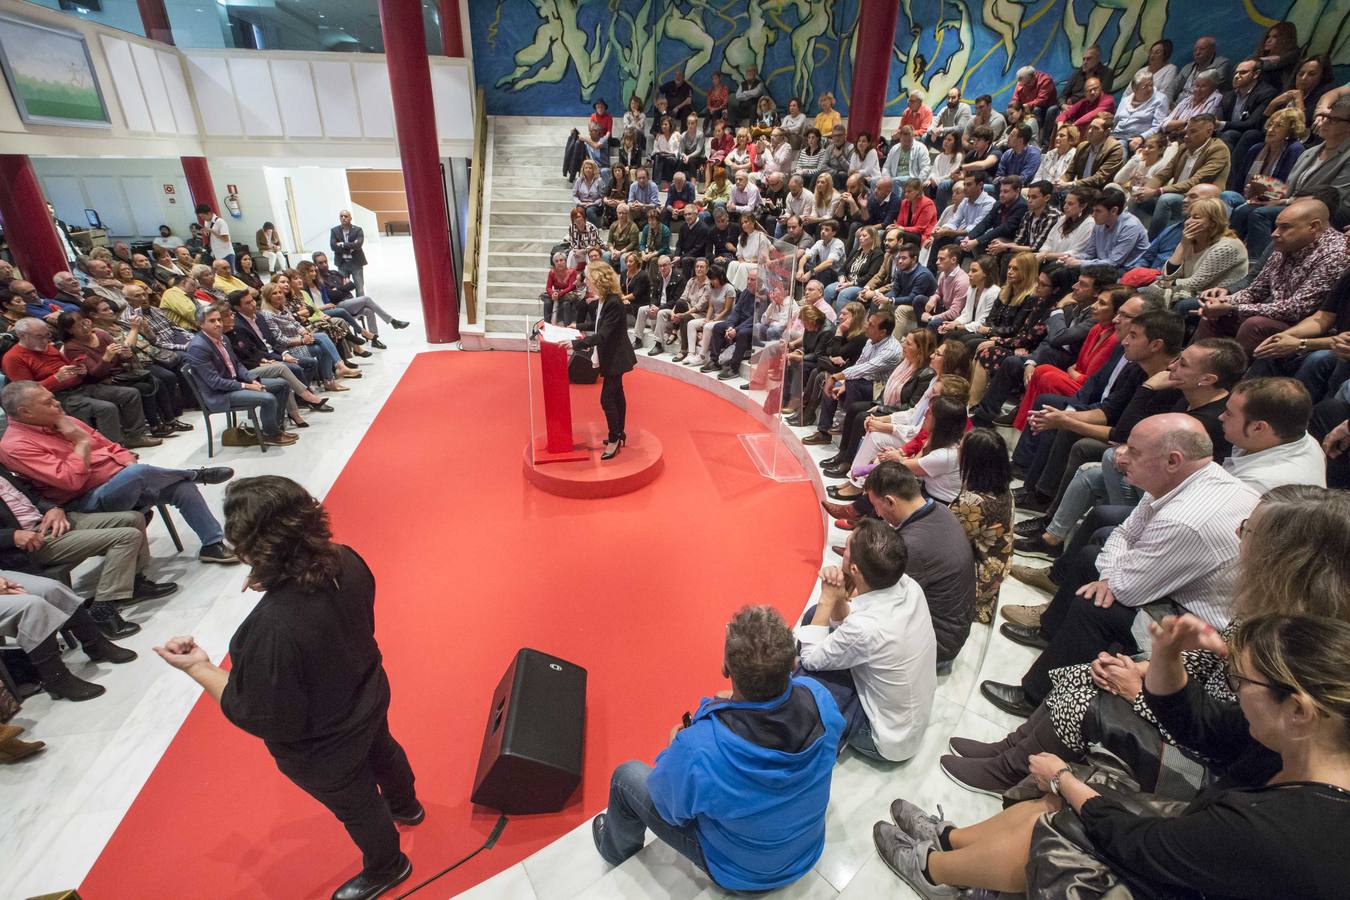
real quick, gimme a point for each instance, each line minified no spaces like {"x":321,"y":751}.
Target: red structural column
{"x":28,"y":226}
{"x":155,"y":18}
{"x":452,"y":29}
{"x":872,"y":65}
{"x":405,"y":53}
{"x":199,"y":182}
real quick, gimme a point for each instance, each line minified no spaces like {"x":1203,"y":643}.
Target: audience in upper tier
{"x":1147,"y":291}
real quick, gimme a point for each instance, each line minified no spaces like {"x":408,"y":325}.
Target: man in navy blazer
{"x":225,"y":384}
{"x":346,"y":240}
{"x":255,"y":343}
{"x":739,"y":326}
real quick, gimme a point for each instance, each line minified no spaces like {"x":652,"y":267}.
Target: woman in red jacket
{"x":1094,"y":353}
{"x":918,"y":216}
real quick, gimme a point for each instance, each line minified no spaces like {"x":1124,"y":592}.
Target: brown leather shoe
{"x":281,"y":437}
{"x":1028,"y":616}
{"x":1037,"y":578}
{"x":137,"y":441}
{"x":12,"y":749}
{"x":843,"y":511}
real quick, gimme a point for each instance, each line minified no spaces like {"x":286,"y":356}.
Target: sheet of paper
{"x":558,"y":334}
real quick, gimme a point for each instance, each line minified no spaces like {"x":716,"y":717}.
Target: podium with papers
{"x":552,"y":438}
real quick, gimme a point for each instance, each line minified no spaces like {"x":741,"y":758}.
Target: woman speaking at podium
{"x":614,"y":352}
{"x":307,"y":675}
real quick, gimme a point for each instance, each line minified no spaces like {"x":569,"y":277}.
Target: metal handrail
{"x":477,"y":176}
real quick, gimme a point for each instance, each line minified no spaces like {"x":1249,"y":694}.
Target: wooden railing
{"x":473,"y":229}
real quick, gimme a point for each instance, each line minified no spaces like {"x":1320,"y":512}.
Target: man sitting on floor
{"x":75,"y":466}
{"x":870,"y":641}
{"x":36,"y":536}
{"x":742,"y":789}
{"x":940,"y":556}
{"x":1179,"y":545}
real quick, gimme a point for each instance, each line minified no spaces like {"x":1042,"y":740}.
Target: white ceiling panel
{"x":257,"y":97}
{"x":215,"y":95}
{"x":118,"y":54}
{"x":377,"y":106}
{"x":295,"y":88}
{"x":180,"y":101}
{"x":152,"y":82}
{"x":337,"y":99}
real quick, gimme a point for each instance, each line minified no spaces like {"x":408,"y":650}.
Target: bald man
{"x":346,"y":241}
{"x":1308,"y":258}
{"x":1178,"y":549}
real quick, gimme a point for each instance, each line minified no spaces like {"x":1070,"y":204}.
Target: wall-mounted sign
{"x":168,"y":189}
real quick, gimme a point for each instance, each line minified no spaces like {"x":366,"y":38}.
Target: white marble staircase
{"x":526,"y":205}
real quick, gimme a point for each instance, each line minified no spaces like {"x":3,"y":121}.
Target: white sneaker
{"x":695,"y":361}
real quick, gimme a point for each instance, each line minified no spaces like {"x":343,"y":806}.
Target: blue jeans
{"x":631,"y":813}
{"x":1254,"y":225}
{"x":139,"y":486}
{"x":271,"y":403}
{"x":1094,"y":484}
{"x":1165,"y":211}
{"x":840,"y":297}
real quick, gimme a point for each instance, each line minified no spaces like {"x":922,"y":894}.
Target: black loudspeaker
{"x":532,"y":750}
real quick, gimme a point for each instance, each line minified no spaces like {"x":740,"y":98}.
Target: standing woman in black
{"x":307,"y":676}
{"x":614,"y":349}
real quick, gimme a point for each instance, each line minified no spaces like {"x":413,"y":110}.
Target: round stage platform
{"x":636,"y":466}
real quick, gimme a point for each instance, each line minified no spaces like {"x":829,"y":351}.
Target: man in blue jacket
{"x":739,"y":327}
{"x":742,"y":789}
{"x":225,"y":384}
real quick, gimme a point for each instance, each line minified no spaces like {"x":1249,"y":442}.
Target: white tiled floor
{"x":61,"y":807}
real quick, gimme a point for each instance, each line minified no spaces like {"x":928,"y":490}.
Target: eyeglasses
{"x":1235,"y":681}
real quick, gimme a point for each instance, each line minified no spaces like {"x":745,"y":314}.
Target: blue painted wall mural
{"x":555,"y":57}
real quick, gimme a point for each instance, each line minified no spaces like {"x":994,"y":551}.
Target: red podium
{"x":558,"y":443}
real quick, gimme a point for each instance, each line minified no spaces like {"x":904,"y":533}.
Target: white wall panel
{"x":453,"y":98}
{"x":295,"y":89}
{"x":66,"y":196}
{"x":377,"y":105}
{"x":337,"y":99}
{"x":256,"y":96}
{"x":215,"y":95}
{"x":105,"y":195}
{"x":128,"y":85}
{"x":152,"y":82}
{"x":171,"y":67}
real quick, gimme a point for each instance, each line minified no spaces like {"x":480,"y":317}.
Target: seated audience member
{"x":654,"y":239}
{"x":679,"y":197}
{"x":1095,"y":100}
{"x":32,"y":610}
{"x":1017,"y":115}
{"x":696,"y":337}
{"x":1099,"y":157}
{"x":1017,"y":320}
{"x":1106,"y":408}
{"x":1056,"y":161}
{"x":167,"y":239}
{"x":979,"y":160}
{"x":938,"y":555}
{"x":916,"y":115}
{"x":693,"y":303}
{"x":1204,"y":58}
{"x":1309,"y":257}
{"x":223,"y":278}
{"x":855,"y":382}
{"x":693,"y":244}
{"x":1074,"y":89}
{"x":1118,"y":237}
{"x":588,"y":192}
{"x":1036,"y":224}
{"x":1265,"y":169}
{"x":950,"y":118}
{"x":905,"y":386}
{"x":115,"y":410}
{"x":68,"y":297}
{"x":949,"y":299}
{"x":1080,"y":338}
{"x":179,"y":304}
{"x":742,"y":788}
{"x":1202,"y":157}
{"x":907,"y":158}
{"x":616,"y":195}
{"x":301,"y":341}
{"x":107,"y":360}
{"x":32,"y":302}
{"x":1178,"y":545}
{"x":1279,"y":746}
{"x":1316,"y":349}
{"x":773,"y":202}
{"x":983,"y":293}
{"x":1000,"y":223}
{"x":1158,"y":65}
{"x":1242,"y":109}
{"x":642,"y":194}
{"x":840,"y":351}
{"x":225,"y":384}
{"x":735,"y":331}
{"x":985,"y":116}
{"x":858,"y":270}
{"x":262,"y":355}
{"x":341,"y":292}
{"x":917,"y":215}
{"x":870,"y":641}
{"x":562,"y":291}
{"x":1144,"y":167}
{"x":826,"y":256}
{"x":1069,"y":238}
{"x":1141,"y":114}
{"x":1207,"y":255}
{"x":1321,"y":167}
{"x":1205,"y":100}
{"x":75,"y":466}
{"x":971,"y":212}
{"x":624,"y":235}
{"x":862,"y":160}
{"x":1266,"y":421}
{"x":985,"y":510}
{"x":1022,"y":157}
{"x":744,"y":198}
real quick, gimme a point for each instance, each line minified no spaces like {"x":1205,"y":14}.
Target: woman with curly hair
{"x":307,"y":675}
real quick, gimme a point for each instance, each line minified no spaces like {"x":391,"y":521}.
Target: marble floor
{"x":61,"y":806}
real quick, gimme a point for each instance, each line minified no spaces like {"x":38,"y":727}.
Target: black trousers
{"x":1326,"y":416}
{"x":1006,"y":381}
{"x":855,"y":425}
{"x":361,"y":791}
{"x":1076,"y":628}
{"x":615,"y":405}
{"x":1032,"y":449}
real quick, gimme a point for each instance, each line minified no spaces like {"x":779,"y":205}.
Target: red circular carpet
{"x":473,"y":563}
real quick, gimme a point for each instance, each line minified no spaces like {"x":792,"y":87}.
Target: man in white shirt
{"x":870,"y":640}
{"x":1179,"y":544}
{"x":217,"y":233}
{"x":167,"y":239}
{"x":1266,"y":421}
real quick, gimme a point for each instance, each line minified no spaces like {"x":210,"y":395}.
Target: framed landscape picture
{"x":50,"y":75}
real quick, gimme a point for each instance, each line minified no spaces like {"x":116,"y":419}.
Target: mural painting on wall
{"x":556,"y":57}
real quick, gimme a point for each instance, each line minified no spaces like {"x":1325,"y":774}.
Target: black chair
{"x":231,"y":416}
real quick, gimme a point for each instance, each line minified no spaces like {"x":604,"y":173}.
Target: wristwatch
{"x":1054,"y":780}
{"x":1303,"y":346}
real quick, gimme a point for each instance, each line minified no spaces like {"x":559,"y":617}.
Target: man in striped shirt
{"x":1179,"y":544}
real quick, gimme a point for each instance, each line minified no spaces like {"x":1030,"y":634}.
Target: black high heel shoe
{"x":617,"y":446}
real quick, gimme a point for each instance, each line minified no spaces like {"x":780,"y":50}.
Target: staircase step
{"x":496,"y":219}
{"x":537,"y":259}
{"x":521,"y":245}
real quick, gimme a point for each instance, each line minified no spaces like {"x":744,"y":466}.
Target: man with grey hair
{"x":666,"y":290}
{"x":75,"y":466}
{"x":69,"y":293}
{"x":742,"y":788}
{"x":1177,"y":552}
{"x":225,"y":383}
{"x":1204,"y":57}
{"x":1035,"y":91}
{"x":205,"y":279}
{"x":1205,"y":99}
{"x":115,"y":410}
{"x":1142,"y":112}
